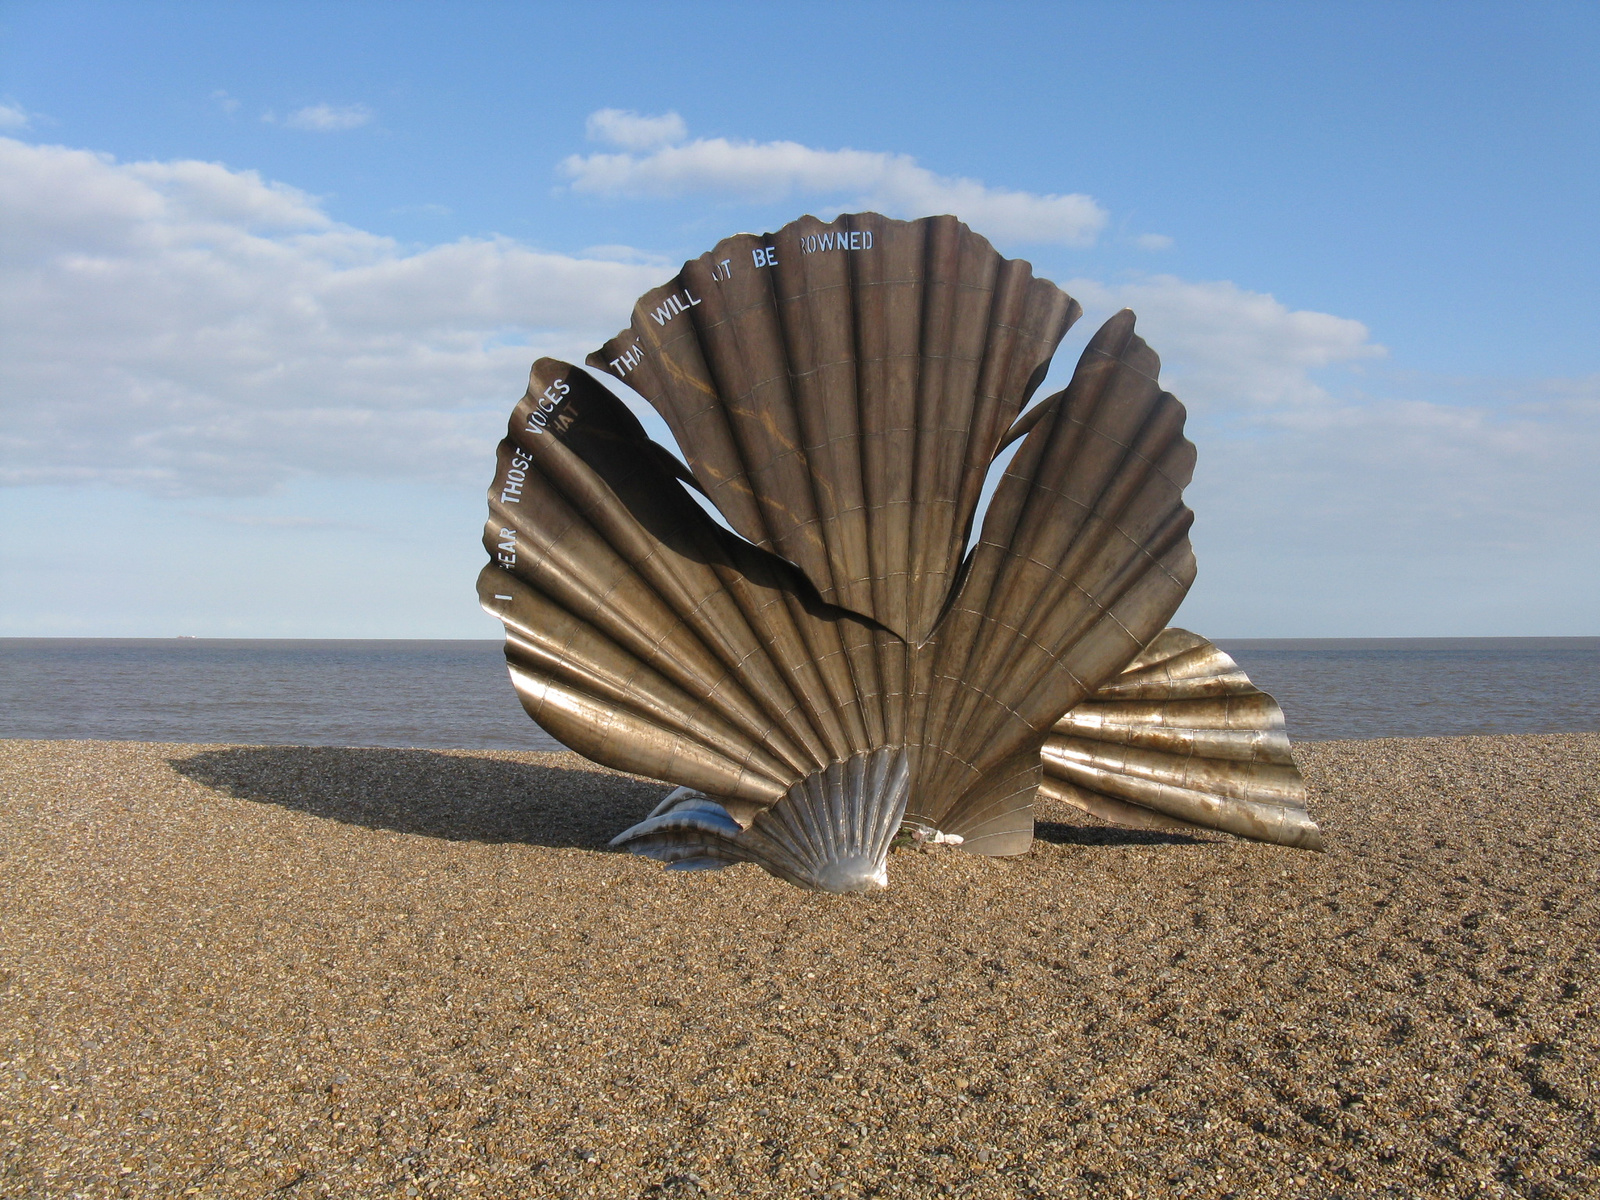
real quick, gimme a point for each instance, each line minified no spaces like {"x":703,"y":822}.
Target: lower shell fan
{"x":1182,"y":740}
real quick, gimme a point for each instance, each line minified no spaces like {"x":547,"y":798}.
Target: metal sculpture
{"x":839,"y":665}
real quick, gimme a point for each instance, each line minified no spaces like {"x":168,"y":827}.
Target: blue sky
{"x":274,"y":275}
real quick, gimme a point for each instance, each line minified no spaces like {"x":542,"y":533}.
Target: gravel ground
{"x":245,"y":971}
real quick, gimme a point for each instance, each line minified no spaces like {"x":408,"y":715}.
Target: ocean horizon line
{"x":1221,"y":639}
{"x":454,"y":692}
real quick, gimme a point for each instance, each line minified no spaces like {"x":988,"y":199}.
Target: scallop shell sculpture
{"x":835,"y":664}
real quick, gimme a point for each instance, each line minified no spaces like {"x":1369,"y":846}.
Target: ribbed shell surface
{"x":644,"y":635}
{"x":1182,"y":739}
{"x":1083,"y":558}
{"x":831,"y":832}
{"x":839,"y":392}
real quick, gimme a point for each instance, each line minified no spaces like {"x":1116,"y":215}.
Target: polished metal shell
{"x":1181,"y":740}
{"x":839,"y":664}
{"x":832,"y":831}
{"x":840,"y":390}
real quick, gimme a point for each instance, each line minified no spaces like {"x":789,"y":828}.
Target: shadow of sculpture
{"x":1114,"y":835}
{"x":455,"y":796}
{"x":465,"y":797}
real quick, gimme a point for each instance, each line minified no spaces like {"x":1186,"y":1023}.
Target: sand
{"x":236,"y":971}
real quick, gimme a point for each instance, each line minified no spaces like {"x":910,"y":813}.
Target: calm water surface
{"x":444,"y":694}
{"x":1427,"y":687}
{"x":437,"y":694}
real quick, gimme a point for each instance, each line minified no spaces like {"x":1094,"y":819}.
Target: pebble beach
{"x":234,"y":971}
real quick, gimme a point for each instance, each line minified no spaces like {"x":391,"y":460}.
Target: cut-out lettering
{"x":516,"y":476}
{"x":628,"y":360}
{"x":836,"y":239}
{"x":678,"y":302}
{"x":545,"y":404}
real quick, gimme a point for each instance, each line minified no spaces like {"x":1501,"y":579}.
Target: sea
{"x":456,"y":694}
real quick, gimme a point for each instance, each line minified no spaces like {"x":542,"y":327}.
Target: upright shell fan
{"x":838,"y":666}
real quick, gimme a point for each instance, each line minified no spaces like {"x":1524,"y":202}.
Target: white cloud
{"x":1153,"y":241}
{"x":225,"y":102}
{"x":181,"y":327}
{"x":621,"y":127}
{"x":327,"y":118}
{"x":1311,"y":449}
{"x":890,"y":183}
{"x":261,"y":521}
{"x":612,"y":252}
{"x":13,"y":116}
{"x":1403,"y":517}
{"x":1232,"y":346}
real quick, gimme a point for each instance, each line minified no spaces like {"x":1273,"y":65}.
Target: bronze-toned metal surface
{"x":838,"y":665}
{"x":841,"y":389}
{"x":1182,"y":740}
{"x":1083,"y":558}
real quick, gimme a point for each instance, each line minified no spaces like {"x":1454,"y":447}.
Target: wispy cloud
{"x":221,"y":334}
{"x":1153,"y":241}
{"x":13,"y":116}
{"x":326,"y":118}
{"x":218,"y":333}
{"x":267,"y":521}
{"x":224,"y":101}
{"x":622,"y":127}
{"x":1358,"y":475}
{"x":768,"y":171}
{"x":1237,"y":350}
